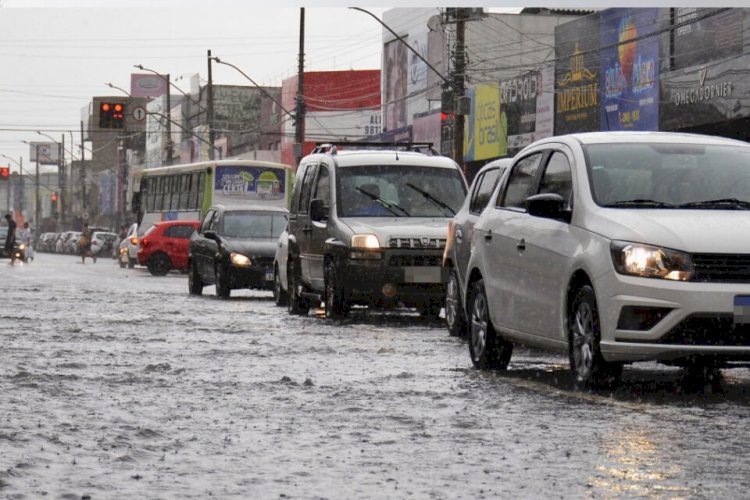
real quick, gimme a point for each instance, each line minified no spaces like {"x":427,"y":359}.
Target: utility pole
{"x":210,"y":110}
{"x":62,"y":181}
{"x":37,"y":201}
{"x":169,"y":124}
{"x":459,"y":87}
{"x":84,"y":205}
{"x":299,"y":123}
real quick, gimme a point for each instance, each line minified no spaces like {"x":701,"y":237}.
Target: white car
{"x":280,"y":293}
{"x":616,"y":247}
{"x":129,"y":247}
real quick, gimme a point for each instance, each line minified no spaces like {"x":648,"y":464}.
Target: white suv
{"x":616,"y":247}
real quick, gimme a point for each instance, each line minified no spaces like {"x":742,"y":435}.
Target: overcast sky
{"x":57,"y":54}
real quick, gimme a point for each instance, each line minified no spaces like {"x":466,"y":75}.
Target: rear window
{"x":253,"y":225}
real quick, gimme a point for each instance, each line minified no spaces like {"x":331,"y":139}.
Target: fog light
{"x":389,"y":290}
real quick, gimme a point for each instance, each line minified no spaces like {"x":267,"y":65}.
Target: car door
{"x":500,"y":231}
{"x":303,"y":225}
{"x":319,"y":228}
{"x":202,"y":249}
{"x":550,"y":245}
{"x":177,"y":239}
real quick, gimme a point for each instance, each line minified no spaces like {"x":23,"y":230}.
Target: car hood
{"x":400,"y":227}
{"x":250,"y":247}
{"x":697,"y":231}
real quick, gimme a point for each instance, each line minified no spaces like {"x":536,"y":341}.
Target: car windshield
{"x":254,"y":225}
{"x":688,"y":176}
{"x":399,"y":190}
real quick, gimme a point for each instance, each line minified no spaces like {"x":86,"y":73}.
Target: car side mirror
{"x":548,"y":206}
{"x":211,"y":235}
{"x":318,"y":210}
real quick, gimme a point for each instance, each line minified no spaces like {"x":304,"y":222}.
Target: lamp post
{"x":169,"y":109}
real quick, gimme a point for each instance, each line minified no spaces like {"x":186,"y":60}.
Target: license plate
{"x":741,"y":309}
{"x":422,"y":274}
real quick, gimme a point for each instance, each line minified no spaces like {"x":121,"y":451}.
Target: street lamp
{"x":169,"y":109}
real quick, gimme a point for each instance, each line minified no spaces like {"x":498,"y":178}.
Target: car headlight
{"x":365,"y":246}
{"x":21,"y":246}
{"x":648,"y":261}
{"x":239,"y":260}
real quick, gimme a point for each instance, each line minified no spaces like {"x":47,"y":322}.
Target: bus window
{"x":184,"y":192}
{"x":174,"y":193}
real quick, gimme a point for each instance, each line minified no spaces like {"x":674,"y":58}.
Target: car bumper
{"x":651,"y":319}
{"x":393,"y":278}
{"x":256,"y":277}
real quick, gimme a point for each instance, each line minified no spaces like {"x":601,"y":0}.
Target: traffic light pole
{"x":37,"y":201}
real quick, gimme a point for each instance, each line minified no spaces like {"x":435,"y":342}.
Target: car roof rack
{"x":331,"y":147}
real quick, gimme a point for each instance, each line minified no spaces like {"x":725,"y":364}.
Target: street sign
{"x":139,"y":113}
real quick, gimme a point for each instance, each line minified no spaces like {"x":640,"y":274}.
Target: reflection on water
{"x":637,"y":466}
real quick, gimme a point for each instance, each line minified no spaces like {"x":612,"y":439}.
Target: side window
{"x":181,"y":231}
{"x":306,"y":190}
{"x":484,"y":187}
{"x":557,"y":178}
{"x":323,"y":186}
{"x":520,"y":182}
{"x":206,"y":224}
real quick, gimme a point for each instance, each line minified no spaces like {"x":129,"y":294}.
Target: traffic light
{"x":4,"y":173}
{"x":53,"y":202}
{"x":111,"y":115}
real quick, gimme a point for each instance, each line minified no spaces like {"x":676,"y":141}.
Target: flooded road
{"x":117,"y":384}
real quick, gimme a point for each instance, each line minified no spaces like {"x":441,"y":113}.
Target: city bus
{"x":187,"y":191}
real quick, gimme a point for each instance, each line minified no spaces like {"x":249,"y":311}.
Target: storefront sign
{"x":486,"y":127}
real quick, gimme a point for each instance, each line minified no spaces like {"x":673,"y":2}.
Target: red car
{"x":165,"y":246}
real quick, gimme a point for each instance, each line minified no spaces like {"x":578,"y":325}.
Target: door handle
{"x":488,"y":236}
{"x":521,"y":245}
{"x":459,"y":236}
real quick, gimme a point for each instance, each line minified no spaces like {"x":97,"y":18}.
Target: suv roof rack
{"x":330,"y":147}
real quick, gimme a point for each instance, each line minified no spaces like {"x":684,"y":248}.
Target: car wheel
{"x":488,"y":350}
{"x":336,"y":305}
{"x":131,"y":263}
{"x":297,"y":304}
{"x":222,"y":283}
{"x":454,"y":313}
{"x":589,"y":368}
{"x":280,"y":296}
{"x":159,"y":264}
{"x":195,"y":284}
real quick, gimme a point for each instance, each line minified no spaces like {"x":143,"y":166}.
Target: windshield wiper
{"x":640,"y":203}
{"x":387,"y":204}
{"x":430,"y":197}
{"x":720,"y":204}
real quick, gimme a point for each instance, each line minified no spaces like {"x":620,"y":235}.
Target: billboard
{"x":486,"y":130}
{"x":148,"y":85}
{"x":45,"y":153}
{"x":577,"y":76}
{"x":528,"y":105}
{"x":629,"y":69}
{"x":396,"y":84}
{"x":703,"y":35}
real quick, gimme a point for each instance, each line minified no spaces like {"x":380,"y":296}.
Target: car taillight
{"x":144,"y":242}
{"x":134,"y":240}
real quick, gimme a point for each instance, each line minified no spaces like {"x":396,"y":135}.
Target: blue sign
{"x":629,"y":69}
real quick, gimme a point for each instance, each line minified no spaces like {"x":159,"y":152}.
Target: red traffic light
{"x":105,"y":107}
{"x":4,"y":173}
{"x":53,"y":197}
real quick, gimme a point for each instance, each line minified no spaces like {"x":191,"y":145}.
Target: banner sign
{"x":629,"y":69}
{"x":486,"y":127}
{"x":250,"y":183}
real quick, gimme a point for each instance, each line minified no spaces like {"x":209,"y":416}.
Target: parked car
{"x":616,"y":247}
{"x":234,"y":248}
{"x":280,"y":294}
{"x":128,"y":250}
{"x":368,"y":227}
{"x":47,"y":242}
{"x":102,"y":243}
{"x":164,"y":246}
{"x":70,"y":244}
{"x":458,"y":242}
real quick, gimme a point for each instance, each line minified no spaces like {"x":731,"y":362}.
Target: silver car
{"x":458,"y":243}
{"x":616,"y":247}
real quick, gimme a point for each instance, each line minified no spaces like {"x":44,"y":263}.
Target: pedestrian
{"x":84,"y":244}
{"x":10,"y":238}
{"x":28,"y":252}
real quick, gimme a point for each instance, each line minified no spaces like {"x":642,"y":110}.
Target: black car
{"x":234,"y":248}
{"x":20,"y":248}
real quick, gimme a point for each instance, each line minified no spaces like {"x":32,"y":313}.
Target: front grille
{"x":708,"y":330}
{"x":721,"y":268}
{"x":417,"y":242}
{"x":263,"y":261}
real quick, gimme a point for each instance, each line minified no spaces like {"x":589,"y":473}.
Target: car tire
{"x":222,"y":283}
{"x":159,"y":264}
{"x":488,"y":350}
{"x":297,"y":304}
{"x":280,"y":296}
{"x":131,"y":263}
{"x":195,"y":284}
{"x":455,"y":319}
{"x":590,"y":370}
{"x":336,"y":305}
